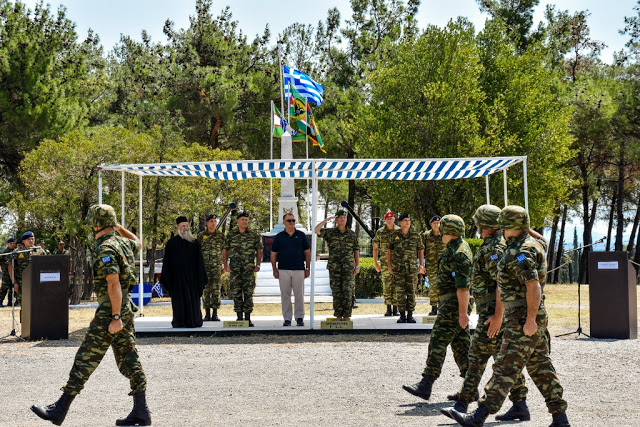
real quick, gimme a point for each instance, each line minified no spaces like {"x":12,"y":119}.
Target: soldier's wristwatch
{"x":116,"y":316}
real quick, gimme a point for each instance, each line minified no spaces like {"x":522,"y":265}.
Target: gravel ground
{"x":306,"y":380}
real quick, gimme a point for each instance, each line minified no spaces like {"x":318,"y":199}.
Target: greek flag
{"x":158,"y":289}
{"x":303,"y":84}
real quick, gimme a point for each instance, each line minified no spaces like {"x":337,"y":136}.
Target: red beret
{"x":388,"y":214}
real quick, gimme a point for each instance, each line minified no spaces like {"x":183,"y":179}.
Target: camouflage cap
{"x":486,"y":217}
{"x":101,"y":216}
{"x":514,"y":218}
{"x":452,"y":224}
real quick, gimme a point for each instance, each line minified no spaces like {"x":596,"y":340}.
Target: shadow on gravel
{"x":432,"y":410}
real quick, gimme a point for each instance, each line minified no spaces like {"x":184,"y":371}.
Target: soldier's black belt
{"x":448,"y":296}
{"x":485,"y":299}
{"x":522,"y":302}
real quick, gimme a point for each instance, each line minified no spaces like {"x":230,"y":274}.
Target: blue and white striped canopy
{"x":389,"y":169}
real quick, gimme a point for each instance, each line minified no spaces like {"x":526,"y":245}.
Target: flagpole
{"x":306,"y":113}
{"x":281,"y":81}
{"x":271,"y":179}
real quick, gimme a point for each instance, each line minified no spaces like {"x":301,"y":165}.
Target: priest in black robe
{"x":184,"y":276}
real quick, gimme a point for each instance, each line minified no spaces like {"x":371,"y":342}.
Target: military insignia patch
{"x":493,"y":257}
{"x":521,"y":257}
{"x":106,"y":259}
{"x":453,"y":274}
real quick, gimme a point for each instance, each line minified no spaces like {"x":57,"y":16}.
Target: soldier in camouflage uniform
{"x":211,"y":242}
{"x":61,"y":250}
{"x":452,"y":324}
{"x":380,"y":245}
{"x":21,"y":260}
{"x":5,"y":261}
{"x":433,"y":250}
{"x":521,"y":278}
{"x":405,"y":258}
{"x":244,"y":247}
{"x":112,"y":325}
{"x":344,"y":262}
{"x":487,"y":337}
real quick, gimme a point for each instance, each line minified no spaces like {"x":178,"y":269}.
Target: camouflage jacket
{"x":524,"y":260}
{"x":382,"y":238}
{"x":58,"y":252}
{"x":455,"y":267}
{"x":241,"y":248}
{"x":404,"y":251}
{"x":433,"y":250}
{"x":342,"y":246}
{"x":5,"y":261}
{"x":22,"y":260}
{"x":211,"y":243}
{"x":114,"y":254}
{"x":484,"y":275}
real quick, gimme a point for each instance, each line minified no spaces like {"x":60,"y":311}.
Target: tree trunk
{"x":588,"y":218}
{"x":560,"y":243}
{"x":78,"y":260}
{"x":620,"y":214}
{"x":611,"y":212}
{"x":634,"y":230}
{"x":552,"y":243}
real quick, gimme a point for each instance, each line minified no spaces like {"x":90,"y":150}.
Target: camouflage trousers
{"x":341,"y":281}
{"x":433,"y":294}
{"x":242,"y":284}
{"x":6,"y":288}
{"x":517,"y":352}
{"x":211,"y":293}
{"x":447,"y":331}
{"x":96,"y":343}
{"x":405,"y":284}
{"x":388,"y":286}
{"x":482,"y":347}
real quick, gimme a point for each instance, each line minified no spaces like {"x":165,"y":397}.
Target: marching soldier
{"x":22,"y":260}
{"x":112,"y":325}
{"x":244,"y":247}
{"x":405,"y":258}
{"x":452,"y":322}
{"x":212,"y":242}
{"x":487,"y":337}
{"x":522,"y":272}
{"x":5,"y":262}
{"x":344,"y":262}
{"x":380,"y":245}
{"x":433,"y":250}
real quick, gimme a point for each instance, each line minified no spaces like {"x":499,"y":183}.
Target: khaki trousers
{"x":292,"y":280}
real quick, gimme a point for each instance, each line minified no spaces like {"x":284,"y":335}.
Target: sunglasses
{"x":290,"y":220}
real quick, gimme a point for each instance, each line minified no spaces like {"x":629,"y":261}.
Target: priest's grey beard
{"x":186,"y":235}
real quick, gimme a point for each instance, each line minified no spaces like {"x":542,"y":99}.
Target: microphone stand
{"x":13,"y":300}
{"x":579,"y":330}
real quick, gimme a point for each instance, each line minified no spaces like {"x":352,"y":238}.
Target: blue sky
{"x":114,"y":17}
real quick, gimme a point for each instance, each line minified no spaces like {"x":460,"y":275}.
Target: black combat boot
{"x":461,"y":406}
{"x":207,"y":315}
{"x":560,"y":420}
{"x":55,"y":412}
{"x":519,"y":411}
{"x":410,"y":318}
{"x":240,"y":316}
{"x":403,"y":318}
{"x":434,"y":311}
{"x":387,"y":314}
{"x":421,"y":389}
{"x":140,"y":415}
{"x":395,"y":311}
{"x":247,"y":317}
{"x":214,"y":315}
{"x":476,"y":419}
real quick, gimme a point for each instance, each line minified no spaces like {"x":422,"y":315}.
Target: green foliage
{"x":474,"y":244}
{"x":368,"y":280}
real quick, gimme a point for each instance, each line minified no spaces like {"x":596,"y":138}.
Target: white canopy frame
{"x":314,"y":169}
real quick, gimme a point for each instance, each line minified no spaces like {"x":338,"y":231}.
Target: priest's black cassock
{"x":184,"y":276}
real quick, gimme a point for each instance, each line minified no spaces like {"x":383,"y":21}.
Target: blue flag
{"x":158,"y":289}
{"x":303,"y":84}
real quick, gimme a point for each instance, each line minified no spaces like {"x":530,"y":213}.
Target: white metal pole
{"x":314,"y":195}
{"x":306,"y":113}
{"x":486,"y":178}
{"x":122,"y":200}
{"x":526,"y":188}
{"x":281,"y":82}
{"x":506,"y":201}
{"x":141,"y":286}
{"x":99,"y":187}
{"x":271,"y":179}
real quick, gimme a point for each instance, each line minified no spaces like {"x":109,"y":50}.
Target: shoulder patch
{"x":106,"y":259}
{"x":453,"y":274}
{"x":493,"y":257}
{"x":521,"y":257}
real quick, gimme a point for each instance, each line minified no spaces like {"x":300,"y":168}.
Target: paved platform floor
{"x":362,"y":323}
